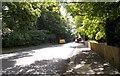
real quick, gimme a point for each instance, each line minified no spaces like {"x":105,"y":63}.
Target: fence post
{"x":89,"y":45}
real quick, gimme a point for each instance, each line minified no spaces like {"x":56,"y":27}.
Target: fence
{"x":110,"y":53}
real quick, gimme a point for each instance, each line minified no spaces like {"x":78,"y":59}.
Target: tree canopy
{"x":32,"y":23}
{"x":91,"y":18}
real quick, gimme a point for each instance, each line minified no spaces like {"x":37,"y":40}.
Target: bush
{"x":15,"y":39}
{"x":39,"y":36}
{"x":35,"y":37}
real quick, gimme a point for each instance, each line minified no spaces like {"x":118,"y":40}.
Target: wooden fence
{"x":110,"y":53}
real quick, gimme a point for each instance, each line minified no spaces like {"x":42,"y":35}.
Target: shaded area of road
{"x":49,"y":60}
{"x":88,"y":62}
{"x":70,"y":58}
{"x":54,"y":66}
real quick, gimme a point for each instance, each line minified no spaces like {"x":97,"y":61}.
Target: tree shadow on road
{"x":88,"y":62}
{"x":83,"y":61}
{"x":53,"y":66}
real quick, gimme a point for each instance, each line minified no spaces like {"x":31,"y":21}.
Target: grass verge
{"x":23,"y":48}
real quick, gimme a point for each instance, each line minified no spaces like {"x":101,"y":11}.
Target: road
{"x":55,"y":59}
{"x":49,"y":60}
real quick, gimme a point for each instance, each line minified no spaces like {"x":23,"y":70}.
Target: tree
{"x":52,"y":21}
{"x":95,"y":17}
{"x":32,"y":23}
{"x":18,"y":20}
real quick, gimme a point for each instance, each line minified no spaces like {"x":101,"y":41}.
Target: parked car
{"x":82,"y":41}
{"x":77,"y":40}
{"x":62,"y":41}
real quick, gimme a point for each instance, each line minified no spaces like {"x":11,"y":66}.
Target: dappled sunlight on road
{"x":7,"y":55}
{"x":89,"y":62}
{"x":49,"y":60}
{"x":45,"y":54}
{"x":69,"y":58}
{"x":53,"y":66}
{"x":62,"y":52}
{"x":28,"y":57}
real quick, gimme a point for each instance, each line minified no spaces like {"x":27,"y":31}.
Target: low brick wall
{"x":110,"y":53}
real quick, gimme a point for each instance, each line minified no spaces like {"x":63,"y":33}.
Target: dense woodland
{"x":26,"y":23}
{"x":34,"y":23}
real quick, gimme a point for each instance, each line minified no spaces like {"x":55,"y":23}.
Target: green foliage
{"x":18,"y":19}
{"x":52,"y":22}
{"x":112,"y":32}
{"x":20,"y":16}
{"x":15,"y":39}
{"x":39,"y":36}
{"x":32,"y":23}
{"x":78,"y":20}
{"x":0,"y":6}
{"x":92,"y":28}
{"x":93,"y":41}
{"x":94,"y":19}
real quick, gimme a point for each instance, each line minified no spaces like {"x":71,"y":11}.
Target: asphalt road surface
{"x":69,"y":58}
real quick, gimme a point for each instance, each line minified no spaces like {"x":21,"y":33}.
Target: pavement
{"x":63,"y":59}
{"x":88,"y":62}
